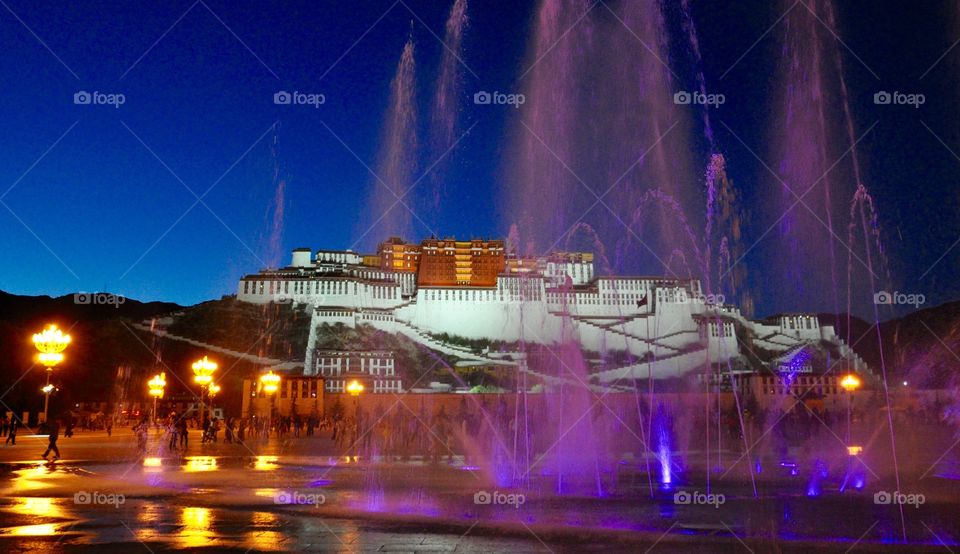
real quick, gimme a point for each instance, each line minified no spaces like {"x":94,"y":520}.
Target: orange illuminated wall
{"x":397,"y":255}
{"x":450,"y":263}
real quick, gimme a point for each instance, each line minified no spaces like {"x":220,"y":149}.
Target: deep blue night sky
{"x":97,"y":201}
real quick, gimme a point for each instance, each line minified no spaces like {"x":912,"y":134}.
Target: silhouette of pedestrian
{"x":12,"y":435}
{"x":52,"y":444}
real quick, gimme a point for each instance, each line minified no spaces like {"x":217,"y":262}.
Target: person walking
{"x":141,"y":431}
{"x":54,"y":429}
{"x":12,"y":431}
{"x":172,"y":429}
{"x":182,"y":433}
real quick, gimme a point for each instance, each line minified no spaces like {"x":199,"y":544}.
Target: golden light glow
{"x":212,"y":390}
{"x":51,"y":342}
{"x":41,"y":530}
{"x":196,"y":530}
{"x":266,"y":463}
{"x":201,"y":463}
{"x":854,"y":450}
{"x":850,"y":382}
{"x":270,"y":382}
{"x":37,"y":507}
{"x":47,"y":389}
{"x":203,"y":371}
{"x":354,"y":388}
{"x":156,"y":384}
{"x":152,"y":462}
{"x":261,"y":536}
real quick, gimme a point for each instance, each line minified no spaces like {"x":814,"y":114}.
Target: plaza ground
{"x":223,"y":497}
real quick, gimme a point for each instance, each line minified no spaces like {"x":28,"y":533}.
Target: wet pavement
{"x":298,"y":495}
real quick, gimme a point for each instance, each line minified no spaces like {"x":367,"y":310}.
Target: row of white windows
{"x":801,"y":391}
{"x":595,"y":299}
{"x":393,"y":385}
{"x":318,"y":287}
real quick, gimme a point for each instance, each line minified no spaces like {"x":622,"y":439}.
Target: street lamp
{"x":51,"y":343}
{"x":203,"y":375}
{"x":156,"y":386}
{"x":270,"y":383}
{"x":850,"y":383}
{"x":355,"y":387}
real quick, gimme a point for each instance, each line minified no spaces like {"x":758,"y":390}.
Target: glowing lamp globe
{"x":51,"y":343}
{"x":157,"y":384}
{"x":354,"y":388}
{"x":850,"y":382}
{"x":203,"y":371}
{"x":270,"y":382}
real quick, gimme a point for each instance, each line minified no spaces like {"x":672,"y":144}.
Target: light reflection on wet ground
{"x":231,"y":503}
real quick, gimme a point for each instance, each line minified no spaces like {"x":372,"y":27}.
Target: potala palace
{"x":477,"y":290}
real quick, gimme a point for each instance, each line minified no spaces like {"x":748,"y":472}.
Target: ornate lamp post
{"x":270,"y":384}
{"x":850,"y":383}
{"x":156,"y":386}
{"x":203,"y":375}
{"x":51,"y":343}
